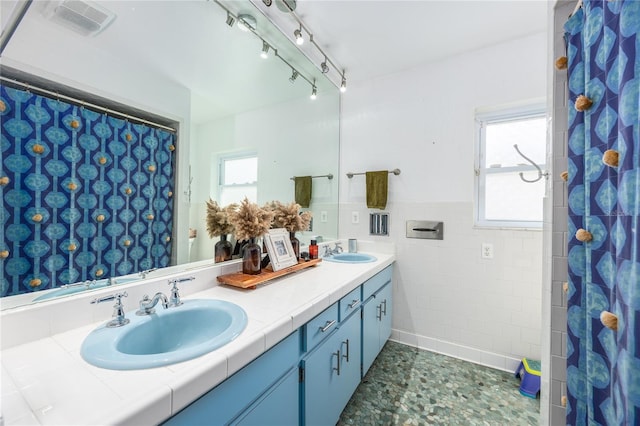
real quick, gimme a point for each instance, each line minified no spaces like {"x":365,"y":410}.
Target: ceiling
{"x":369,"y":38}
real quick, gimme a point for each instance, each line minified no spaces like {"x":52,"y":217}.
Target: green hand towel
{"x":303,"y":190}
{"x":377,"y":183}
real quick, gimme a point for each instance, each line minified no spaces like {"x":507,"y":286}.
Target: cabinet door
{"x":350,"y":358}
{"x":370,"y":332}
{"x":279,"y":407}
{"x":332,"y":374}
{"x":386,"y":306}
{"x":321,"y":379}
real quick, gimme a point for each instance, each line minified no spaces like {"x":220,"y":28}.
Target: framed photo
{"x":279,"y":249}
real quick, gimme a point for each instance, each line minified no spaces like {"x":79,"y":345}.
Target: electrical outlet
{"x":323,"y":216}
{"x":487,"y":251}
{"x":355,"y":217}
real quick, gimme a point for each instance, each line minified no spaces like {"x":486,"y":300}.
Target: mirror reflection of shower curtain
{"x":603,"y":365}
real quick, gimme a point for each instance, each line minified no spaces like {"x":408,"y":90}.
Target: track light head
{"x":324,"y":67}
{"x":230,"y":20}
{"x":343,"y":85}
{"x":298,"y":35}
{"x":265,"y":50}
{"x":247,"y":22}
{"x":294,"y":75}
{"x":314,"y":91}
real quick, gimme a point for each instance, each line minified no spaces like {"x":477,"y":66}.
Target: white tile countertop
{"x":45,"y":381}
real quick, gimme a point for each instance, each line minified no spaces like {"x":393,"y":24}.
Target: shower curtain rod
{"x":85,"y":104}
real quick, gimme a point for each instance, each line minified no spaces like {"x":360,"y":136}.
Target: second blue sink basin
{"x":350,"y":258}
{"x":166,"y":337}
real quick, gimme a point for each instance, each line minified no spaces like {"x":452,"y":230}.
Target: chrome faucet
{"x":147,"y":305}
{"x":87,"y":284}
{"x":118,"y":309}
{"x":143,"y":274}
{"x":337,"y":249}
{"x":174,"y":300}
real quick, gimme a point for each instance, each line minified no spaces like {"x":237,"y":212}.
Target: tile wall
{"x":558,"y":338}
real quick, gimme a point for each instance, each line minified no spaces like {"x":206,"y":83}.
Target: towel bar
{"x":329,"y":176}
{"x":394,"y":171}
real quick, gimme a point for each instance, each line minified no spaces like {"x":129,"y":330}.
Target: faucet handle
{"x":174,"y":300}
{"x":118,"y":309}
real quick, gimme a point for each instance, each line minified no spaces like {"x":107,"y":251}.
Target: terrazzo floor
{"x":408,"y":386}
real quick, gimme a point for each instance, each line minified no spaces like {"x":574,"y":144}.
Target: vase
{"x":222,"y":250}
{"x":295,"y":243}
{"x":251,"y":257}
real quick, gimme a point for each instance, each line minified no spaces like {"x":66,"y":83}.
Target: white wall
{"x":446,"y":298}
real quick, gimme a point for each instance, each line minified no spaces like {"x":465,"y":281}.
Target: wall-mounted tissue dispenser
{"x":426,"y":229}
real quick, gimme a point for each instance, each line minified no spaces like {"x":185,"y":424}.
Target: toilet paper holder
{"x":425,"y":229}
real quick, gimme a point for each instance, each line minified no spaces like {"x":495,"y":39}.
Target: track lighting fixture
{"x":314,"y":91}
{"x":298,"y":35}
{"x":324,"y":67}
{"x":247,"y":22}
{"x":265,"y":50}
{"x":230,"y":20}
{"x":294,"y":75}
{"x":343,"y":85}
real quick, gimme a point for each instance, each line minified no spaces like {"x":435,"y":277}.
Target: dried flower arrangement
{"x":288,"y":216}
{"x":249,"y":220}
{"x":218,"y":219}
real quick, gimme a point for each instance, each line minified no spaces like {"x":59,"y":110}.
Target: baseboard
{"x":465,"y":353}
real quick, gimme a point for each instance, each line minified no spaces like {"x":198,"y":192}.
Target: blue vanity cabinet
{"x":331,"y":373}
{"x":265,"y":384}
{"x":376,"y":316}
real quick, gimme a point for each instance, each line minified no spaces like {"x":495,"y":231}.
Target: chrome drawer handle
{"x":353,"y":304}
{"x":327,"y":326}
{"x":347,"y":354}
{"x":384,"y":311}
{"x":337,"y":354}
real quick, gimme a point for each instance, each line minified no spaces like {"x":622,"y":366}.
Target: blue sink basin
{"x":65,"y":291}
{"x":350,"y":258}
{"x":166,"y":337}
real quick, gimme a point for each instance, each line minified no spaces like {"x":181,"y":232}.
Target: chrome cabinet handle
{"x":327,"y":326}
{"x":354,"y":303}
{"x":384,"y":311}
{"x":337,"y":354}
{"x":379,"y":312}
{"x":347,"y":355}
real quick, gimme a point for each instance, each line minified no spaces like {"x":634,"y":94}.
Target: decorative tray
{"x":238,"y":279}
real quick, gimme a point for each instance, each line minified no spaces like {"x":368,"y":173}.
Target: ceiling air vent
{"x":83,"y":17}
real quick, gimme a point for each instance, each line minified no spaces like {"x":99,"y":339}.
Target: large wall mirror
{"x":180,"y":63}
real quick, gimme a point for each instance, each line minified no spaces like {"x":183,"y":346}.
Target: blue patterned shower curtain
{"x":603,"y":365}
{"x":83,"y":195}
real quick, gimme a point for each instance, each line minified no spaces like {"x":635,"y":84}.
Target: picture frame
{"x":279,"y":249}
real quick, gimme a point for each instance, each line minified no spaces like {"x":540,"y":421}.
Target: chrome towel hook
{"x":540,"y":174}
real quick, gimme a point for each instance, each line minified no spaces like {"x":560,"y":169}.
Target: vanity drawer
{"x":350,"y":303}
{"x":376,"y":282}
{"x":320,"y":327}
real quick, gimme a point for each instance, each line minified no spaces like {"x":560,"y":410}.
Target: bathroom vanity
{"x":309,"y":339}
